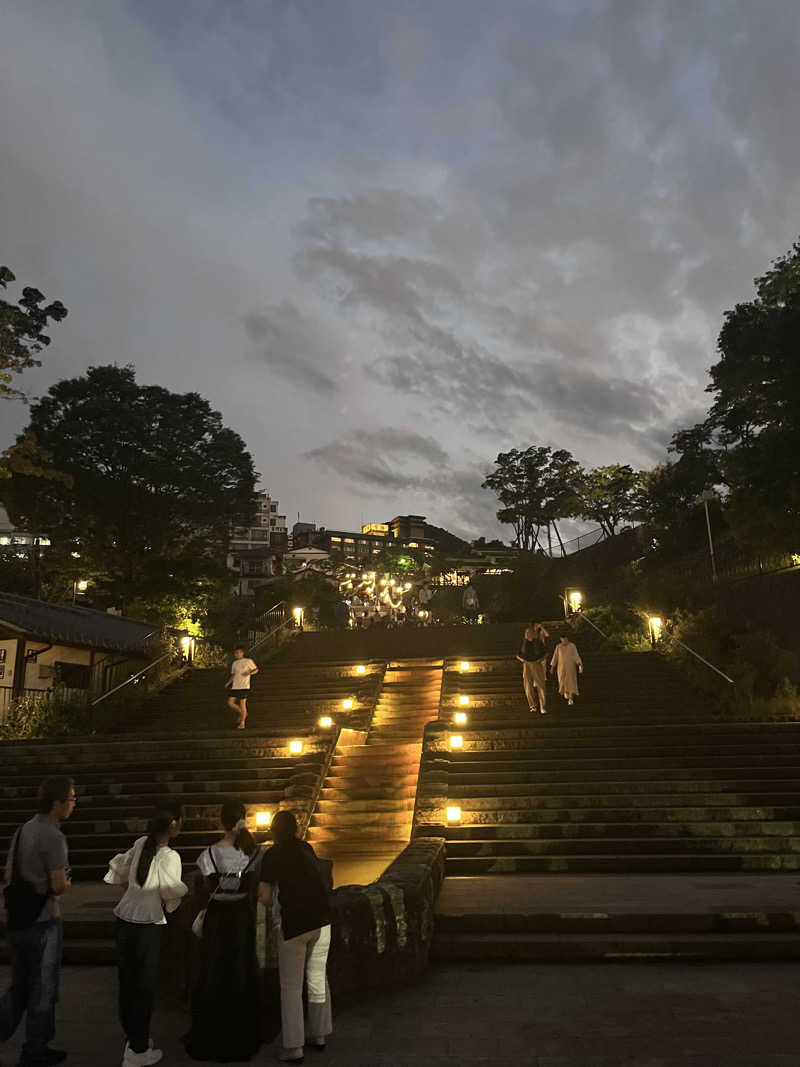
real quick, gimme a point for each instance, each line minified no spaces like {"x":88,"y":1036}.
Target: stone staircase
{"x":632,"y":779}
{"x":364,"y":815}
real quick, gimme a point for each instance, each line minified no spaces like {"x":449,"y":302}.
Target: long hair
{"x":157,"y":827}
{"x":284,"y":827}
{"x":233,"y":811}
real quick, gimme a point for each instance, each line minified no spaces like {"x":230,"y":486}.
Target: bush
{"x":625,"y":627}
{"x":52,"y":715}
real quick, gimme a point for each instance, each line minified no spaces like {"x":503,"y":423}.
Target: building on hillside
{"x":403,"y":532}
{"x":268,"y":529}
{"x":46,"y":645}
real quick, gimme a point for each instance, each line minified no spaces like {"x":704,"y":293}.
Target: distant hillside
{"x":446,"y":541}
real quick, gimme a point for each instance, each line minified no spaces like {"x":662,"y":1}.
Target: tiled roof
{"x":72,"y":625}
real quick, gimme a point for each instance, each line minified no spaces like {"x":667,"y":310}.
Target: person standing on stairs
{"x":151,"y":872}
{"x":242,"y":670}
{"x":293,"y":886}
{"x":533,"y":657}
{"x":37,"y":875}
{"x":568,"y":663}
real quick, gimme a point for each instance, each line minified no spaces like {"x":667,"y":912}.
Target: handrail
{"x":586,"y":619}
{"x":308,"y":814}
{"x":133,"y":677}
{"x":271,"y":633}
{"x":269,"y":611}
{"x":701,"y":658}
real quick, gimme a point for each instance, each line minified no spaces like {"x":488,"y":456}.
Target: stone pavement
{"x":536,"y":1015}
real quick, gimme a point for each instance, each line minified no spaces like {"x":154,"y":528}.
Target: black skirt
{"x":226,"y":1002}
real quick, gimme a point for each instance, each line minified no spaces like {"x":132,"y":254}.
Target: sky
{"x":390,"y":240}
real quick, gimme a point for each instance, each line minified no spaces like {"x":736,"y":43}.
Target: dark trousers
{"x":35,"y":968}
{"x":138,"y":947}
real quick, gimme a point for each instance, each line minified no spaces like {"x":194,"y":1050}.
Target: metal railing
{"x":702,"y":659}
{"x":593,"y":625}
{"x":288,"y":621}
{"x":134,"y":678}
{"x":271,"y":617}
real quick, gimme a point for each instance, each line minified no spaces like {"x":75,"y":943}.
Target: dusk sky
{"x":388,"y":240}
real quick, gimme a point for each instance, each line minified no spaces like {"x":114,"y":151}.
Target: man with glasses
{"x":37,"y":875}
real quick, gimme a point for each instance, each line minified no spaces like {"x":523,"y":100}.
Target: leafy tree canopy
{"x":22,"y":332}
{"x":156,"y":481}
{"x":610,"y":495}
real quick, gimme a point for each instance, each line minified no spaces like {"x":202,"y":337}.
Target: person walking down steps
{"x":533,"y":657}
{"x":568,"y":664}
{"x":242,"y":670}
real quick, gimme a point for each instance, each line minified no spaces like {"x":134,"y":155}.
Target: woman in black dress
{"x":226,"y":1010}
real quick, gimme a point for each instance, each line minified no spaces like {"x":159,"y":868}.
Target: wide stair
{"x":635,"y":783}
{"x":364,"y":815}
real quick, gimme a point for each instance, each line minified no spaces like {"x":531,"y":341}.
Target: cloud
{"x":293,"y":345}
{"x":486,"y":226}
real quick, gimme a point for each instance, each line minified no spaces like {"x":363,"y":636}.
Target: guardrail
{"x":702,"y":659}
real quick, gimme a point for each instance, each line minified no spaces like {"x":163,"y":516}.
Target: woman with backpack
{"x":151,"y":873}
{"x":226,"y":1011}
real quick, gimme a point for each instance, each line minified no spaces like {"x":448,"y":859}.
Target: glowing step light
{"x":464,"y":665}
{"x":454,"y":813}
{"x":326,"y":720}
{"x":463,"y":701}
{"x":361,"y":669}
{"x":456,"y":741}
{"x":296,"y":747}
{"x":347,"y":703}
{"x":460,"y":718}
{"x":263,"y":819}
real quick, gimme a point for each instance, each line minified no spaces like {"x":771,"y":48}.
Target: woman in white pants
{"x":291,"y":882}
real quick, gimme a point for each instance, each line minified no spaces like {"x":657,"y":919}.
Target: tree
{"x":535,"y":488}
{"x":22,"y":335}
{"x":756,"y":410}
{"x":609,"y":495}
{"x":156,"y":482}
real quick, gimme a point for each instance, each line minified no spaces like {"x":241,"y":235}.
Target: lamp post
{"x":80,"y":585}
{"x":705,"y":496}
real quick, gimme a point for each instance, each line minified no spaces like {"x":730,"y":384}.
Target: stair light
{"x":460,"y":718}
{"x":456,"y":741}
{"x":575,"y":600}
{"x":296,"y":747}
{"x":347,"y":703}
{"x":463,"y":700}
{"x":655,"y":625}
{"x":360,"y":669}
{"x":263,"y":819}
{"x":326,"y":720}
{"x":454,"y":813}
{"x":464,"y":665}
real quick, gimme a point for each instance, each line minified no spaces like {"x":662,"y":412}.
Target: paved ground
{"x":538,"y":1015}
{"x":652,"y":894}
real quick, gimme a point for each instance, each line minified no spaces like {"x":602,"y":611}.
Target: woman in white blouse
{"x":226,"y":1009}
{"x":151,"y":872}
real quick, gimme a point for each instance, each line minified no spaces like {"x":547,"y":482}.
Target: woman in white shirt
{"x":151,"y":871}
{"x":226,"y":1012}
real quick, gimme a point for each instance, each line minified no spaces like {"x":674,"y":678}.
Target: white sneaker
{"x":141,"y":1059}
{"x":570,"y":702}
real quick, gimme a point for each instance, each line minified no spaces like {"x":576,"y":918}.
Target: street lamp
{"x":655,"y":624}
{"x":80,"y":585}
{"x":705,"y":496}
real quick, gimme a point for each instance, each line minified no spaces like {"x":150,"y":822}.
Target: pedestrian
{"x":37,"y":876}
{"x":567,"y":661}
{"x":293,"y":886}
{"x":533,"y":657}
{"x":242,"y":670}
{"x":226,"y":1024}
{"x":470,"y":603}
{"x":151,"y":872}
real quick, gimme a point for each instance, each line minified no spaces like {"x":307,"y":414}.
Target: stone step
{"x":650,"y":863}
{"x":361,"y":790}
{"x":336,"y":848}
{"x":764,"y":786}
{"x":376,"y":809}
{"x":77,"y":952}
{"x":608,"y":845}
{"x":666,"y":774}
{"x":598,"y":922}
{"x":646,"y":762}
{"x":677,"y":826}
{"x":451,"y":948}
{"x":357,"y":831}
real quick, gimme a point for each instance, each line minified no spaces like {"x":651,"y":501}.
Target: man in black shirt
{"x":533,"y":657}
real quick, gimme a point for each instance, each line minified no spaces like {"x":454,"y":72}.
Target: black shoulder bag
{"x":23,"y":903}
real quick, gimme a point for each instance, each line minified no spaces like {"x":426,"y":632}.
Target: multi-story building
{"x":268,"y":531}
{"x":402,"y":532}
